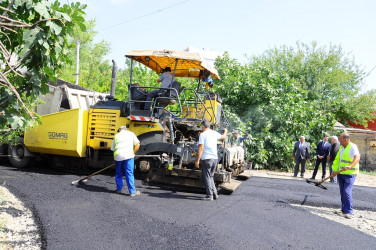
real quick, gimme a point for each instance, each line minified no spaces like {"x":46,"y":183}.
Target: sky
{"x":240,"y":27}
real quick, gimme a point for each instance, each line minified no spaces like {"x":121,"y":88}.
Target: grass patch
{"x":368,"y":173}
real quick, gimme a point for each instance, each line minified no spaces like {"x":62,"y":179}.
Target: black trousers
{"x":299,"y":161}
{"x":208,"y":169}
{"x":323,"y":162}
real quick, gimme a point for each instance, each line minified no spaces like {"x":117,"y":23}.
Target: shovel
{"x":319,"y":184}
{"x":87,"y":177}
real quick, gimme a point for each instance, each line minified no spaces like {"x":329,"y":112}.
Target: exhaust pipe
{"x":113,"y":78}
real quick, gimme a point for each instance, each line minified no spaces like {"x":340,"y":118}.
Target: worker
{"x":236,"y":140}
{"x":236,"y":150}
{"x":347,"y":159}
{"x":300,"y":154}
{"x":166,"y":79}
{"x":207,"y":154}
{"x":322,"y":152}
{"x":205,"y":76}
{"x":125,"y":146}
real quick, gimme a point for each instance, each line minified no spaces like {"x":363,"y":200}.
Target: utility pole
{"x":77,"y":60}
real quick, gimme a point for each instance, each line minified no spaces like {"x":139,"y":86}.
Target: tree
{"x":328,"y":75}
{"x":35,"y":37}
{"x":95,"y":71}
{"x":287,"y":92}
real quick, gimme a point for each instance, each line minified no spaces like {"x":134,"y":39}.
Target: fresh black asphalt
{"x":258,"y":215}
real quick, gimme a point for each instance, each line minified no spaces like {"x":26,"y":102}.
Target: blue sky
{"x":241,"y":27}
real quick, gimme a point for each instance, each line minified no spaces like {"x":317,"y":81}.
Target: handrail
{"x":155,"y":101}
{"x":195,"y":101}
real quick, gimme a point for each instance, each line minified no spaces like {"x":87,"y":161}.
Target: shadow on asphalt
{"x":94,"y":188}
{"x":164,"y":195}
{"x":171,"y":196}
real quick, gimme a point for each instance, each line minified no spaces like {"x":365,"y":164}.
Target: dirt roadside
{"x":18,"y":229}
{"x":364,"y":180}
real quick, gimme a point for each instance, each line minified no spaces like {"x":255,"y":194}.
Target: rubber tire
{"x":16,"y":156}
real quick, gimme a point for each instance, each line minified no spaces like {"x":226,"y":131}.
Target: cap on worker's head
{"x":122,"y":128}
{"x":235,"y":132}
{"x":205,"y":123}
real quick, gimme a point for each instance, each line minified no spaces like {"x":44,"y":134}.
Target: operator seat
{"x":169,"y":97}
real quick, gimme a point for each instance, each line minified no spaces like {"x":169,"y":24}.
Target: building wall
{"x":367,"y":152}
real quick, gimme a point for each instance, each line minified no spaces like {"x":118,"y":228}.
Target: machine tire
{"x":17,"y":156}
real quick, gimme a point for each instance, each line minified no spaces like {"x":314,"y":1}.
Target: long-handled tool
{"x":319,"y":184}
{"x":87,"y":177}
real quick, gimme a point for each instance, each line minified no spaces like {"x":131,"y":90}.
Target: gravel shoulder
{"x":18,"y":229}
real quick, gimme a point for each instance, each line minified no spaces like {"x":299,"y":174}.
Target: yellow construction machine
{"x":168,"y":133}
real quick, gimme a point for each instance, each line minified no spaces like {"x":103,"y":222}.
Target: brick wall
{"x":367,"y":152}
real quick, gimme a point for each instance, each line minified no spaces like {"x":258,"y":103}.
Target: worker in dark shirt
{"x":322,"y":152}
{"x":332,"y":156}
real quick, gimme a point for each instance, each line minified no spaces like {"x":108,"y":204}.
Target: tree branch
{"x":6,"y":10}
{"x":25,"y":25}
{"x":45,"y":20}
{"x":9,"y":29}
{"x":7,"y":57}
{"x":13,"y":89}
{"x":10,"y":19}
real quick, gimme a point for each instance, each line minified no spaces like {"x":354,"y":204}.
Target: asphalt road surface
{"x":258,"y":215}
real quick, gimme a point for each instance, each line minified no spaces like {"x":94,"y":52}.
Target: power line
{"x":151,"y":13}
{"x":370,"y":71}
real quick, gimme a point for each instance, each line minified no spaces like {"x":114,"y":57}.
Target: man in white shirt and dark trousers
{"x":125,"y":146}
{"x":207,"y":153}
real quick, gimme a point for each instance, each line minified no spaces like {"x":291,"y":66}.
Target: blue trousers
{"x":127,"y":166}
{"x":346,"y":183}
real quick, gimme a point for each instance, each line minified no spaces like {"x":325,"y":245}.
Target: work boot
{"x":339,"y":212}
{"x":135,"y":194}
{"x":349,"y":216}
{"x":118,"y":192}
{"x":207,"y":198}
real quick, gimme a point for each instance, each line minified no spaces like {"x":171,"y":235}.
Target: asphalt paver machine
{"x":168,"y":132}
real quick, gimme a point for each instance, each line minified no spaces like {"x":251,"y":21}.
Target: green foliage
{"x":94,"y":71}
{"x":36,"y":37}
{"x":368,"y":173}
{"x":328,"y":76}
{"x":286,"y":93}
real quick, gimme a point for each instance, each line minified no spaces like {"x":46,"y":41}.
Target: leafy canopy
{"x":35,"y":37}
{"x":288,"y":92}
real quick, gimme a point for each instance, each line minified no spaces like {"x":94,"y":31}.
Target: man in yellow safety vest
{"x":346,"y":161}
{"x":125,"y":145}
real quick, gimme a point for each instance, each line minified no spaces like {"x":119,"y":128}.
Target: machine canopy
{"x":189,"y":64}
